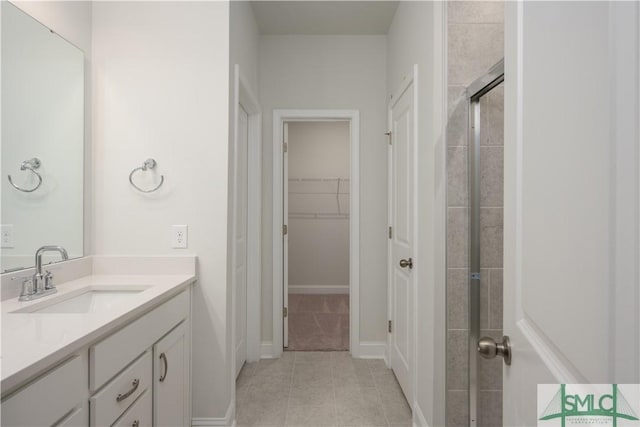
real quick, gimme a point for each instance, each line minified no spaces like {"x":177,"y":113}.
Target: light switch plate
{"x":179,"y":236}
{"x":6,"y":234}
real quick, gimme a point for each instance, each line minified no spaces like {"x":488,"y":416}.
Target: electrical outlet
{"x":179,"y":237}
{"x":6,"y":236}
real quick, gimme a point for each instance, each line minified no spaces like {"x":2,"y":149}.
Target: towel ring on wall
{"x":147,"y":165}
{"x":30,"y":165}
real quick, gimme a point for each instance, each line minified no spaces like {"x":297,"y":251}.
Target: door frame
{"x":279,"y":117}
{"x":245,"y":97}
{"x":409,"y":79}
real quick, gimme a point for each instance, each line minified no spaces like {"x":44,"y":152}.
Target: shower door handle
{"x":489,"y":348}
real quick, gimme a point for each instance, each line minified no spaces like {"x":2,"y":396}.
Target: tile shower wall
{"x":475,"y":43}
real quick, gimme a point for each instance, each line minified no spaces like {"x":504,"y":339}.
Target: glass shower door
{"x":486,"y":145}
{"x":474,"y":255}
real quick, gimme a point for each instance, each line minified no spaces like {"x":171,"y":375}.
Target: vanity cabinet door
{"x":57,"y":397}
{"x":171,"y":370}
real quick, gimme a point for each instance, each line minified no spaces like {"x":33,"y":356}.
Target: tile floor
{"x":318,"y":322}
{"x":319,"y":389}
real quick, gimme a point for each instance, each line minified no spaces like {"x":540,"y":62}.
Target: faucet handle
{"x":48,"y":280}
{"x":27,"y":288}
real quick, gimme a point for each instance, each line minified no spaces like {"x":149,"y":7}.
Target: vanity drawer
{"x":110,"y":355}
{"x":140,"y":413}
{"x":121,"y":392}
{"x":54,"y":395}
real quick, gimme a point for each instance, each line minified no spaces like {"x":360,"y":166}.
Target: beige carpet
{"x":318,"y":322}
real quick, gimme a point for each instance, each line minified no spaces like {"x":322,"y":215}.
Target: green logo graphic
{"x":564,"y":405}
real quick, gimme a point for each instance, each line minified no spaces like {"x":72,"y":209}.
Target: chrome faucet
{"x":41,"y":284}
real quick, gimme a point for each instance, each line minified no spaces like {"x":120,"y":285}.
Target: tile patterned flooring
{"x":319,"y":389}
{"x":318,"y":322}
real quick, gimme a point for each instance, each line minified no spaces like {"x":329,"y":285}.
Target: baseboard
{"x":227,"y":421}
{"x":266,"y":350}
{"x":418,"y":416}
{"x":318,"y":289}
{"x":211,"y":422}
{"x":373,"y":350}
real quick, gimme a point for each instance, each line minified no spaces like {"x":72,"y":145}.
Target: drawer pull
{"x":134,"y":387}
{"x":136,"y":423}
{"x":163,"y":376}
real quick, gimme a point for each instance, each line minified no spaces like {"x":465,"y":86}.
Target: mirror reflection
{"x":42,"y":141}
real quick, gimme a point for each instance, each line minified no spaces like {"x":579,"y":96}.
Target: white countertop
{"x":32,"y":342}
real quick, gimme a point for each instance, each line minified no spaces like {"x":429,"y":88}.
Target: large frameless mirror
{"x":42,"y":141}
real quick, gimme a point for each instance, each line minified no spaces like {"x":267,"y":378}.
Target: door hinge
{"x":284,"y":230}
{"x":285,"y":312}
{"x":390,"y":232}
{"x":389,"y":134}
{"x":390,"y":329}
{"x":285,"y":147}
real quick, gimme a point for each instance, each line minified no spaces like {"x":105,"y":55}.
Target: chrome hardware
{"x":148,"y":164}
{"x":41,"y":284}
{"x":27,"y":286}
{"x":134,"y":387}
{"x":163,"y":357}
{"x":136,"y":423}
{"x":48,"y":280}
{"x":488,"y":348}
{"x":30,"y":165}
{"x":404,"y":263}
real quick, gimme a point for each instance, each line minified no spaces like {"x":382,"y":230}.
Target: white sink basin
{"x":89,"y":300}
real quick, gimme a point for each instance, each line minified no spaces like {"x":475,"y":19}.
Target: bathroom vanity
{"x":106,"y":349}
{"x":98,"y":340}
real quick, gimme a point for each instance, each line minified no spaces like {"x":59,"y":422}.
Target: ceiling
{"x":324,"y":17}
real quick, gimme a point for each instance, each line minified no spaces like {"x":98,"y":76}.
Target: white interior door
{"x":241,"y":190}
{"x":285,"y":235}
{"x":571,"y":199}
{"x":402,"y":242}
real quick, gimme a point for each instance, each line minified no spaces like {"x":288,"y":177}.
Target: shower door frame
{"x":475,"y":92}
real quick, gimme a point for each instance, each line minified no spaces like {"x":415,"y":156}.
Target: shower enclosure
{"x":474,"y":252}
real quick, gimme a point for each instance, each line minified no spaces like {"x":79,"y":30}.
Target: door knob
{"x":404,"y":263}
{"x":489,"y":348}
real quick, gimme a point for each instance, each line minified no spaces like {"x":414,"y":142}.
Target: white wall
{"x":72,"y":21}
{"x":333,"y":72}
{"x":160,"y":81}
{"x":244,"y":42}
{"x":318,"y":210}
{"x":416,"y":37}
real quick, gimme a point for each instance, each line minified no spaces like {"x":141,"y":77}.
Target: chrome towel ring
{"x":30,"y":165}
{"x":147,"y":165}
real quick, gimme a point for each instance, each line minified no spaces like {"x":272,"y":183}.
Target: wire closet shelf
{"x":319,"y":198}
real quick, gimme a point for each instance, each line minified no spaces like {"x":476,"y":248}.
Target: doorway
{"x":316,"y":242}
{"x":317,"y":239}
